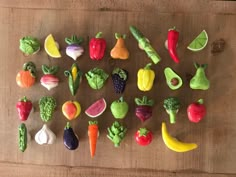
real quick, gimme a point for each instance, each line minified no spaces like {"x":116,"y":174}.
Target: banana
{"x":173,"y":143}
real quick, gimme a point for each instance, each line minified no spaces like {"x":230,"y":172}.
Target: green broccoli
{"x":172,"y":105}
{"x":47,"y":106}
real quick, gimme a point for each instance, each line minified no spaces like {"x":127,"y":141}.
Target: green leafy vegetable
{"x":47,"y":106}
{"x":29,"y":45}
{"x":96,"y":78}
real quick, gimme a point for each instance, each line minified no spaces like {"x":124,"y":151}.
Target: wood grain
{"x":215,"y":135}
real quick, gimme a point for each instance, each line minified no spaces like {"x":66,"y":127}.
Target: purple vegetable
{"x":71,"y":141}
{"x":143,"y":110}
{"x":74,"y":49}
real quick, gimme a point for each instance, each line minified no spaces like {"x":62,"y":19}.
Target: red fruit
{"x":196,"y":111}
{"x":143,"y":137}
{"x":24,"y":107}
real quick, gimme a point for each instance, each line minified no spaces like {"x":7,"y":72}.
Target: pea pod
{"x":22,"y":139}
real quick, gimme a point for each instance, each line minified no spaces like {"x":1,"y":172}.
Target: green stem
{"x":99,"y":35}
{"x":24,"y":99}
{"x":148,"y":66}
{"x":200,"y":101}
{"x":143,"y":132}
{"x":93,"y":122}
{"x":196,"y":65}
{"x":172,"y":116}
{"x":67,"y":125}
{"x":121,"y":99}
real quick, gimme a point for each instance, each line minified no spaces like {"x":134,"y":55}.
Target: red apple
{"x":71,"y":109}
{"x":196,"y":111}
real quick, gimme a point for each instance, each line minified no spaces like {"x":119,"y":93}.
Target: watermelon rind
{"x":100,"y":106}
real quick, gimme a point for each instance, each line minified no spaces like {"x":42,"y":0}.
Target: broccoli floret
{"x":172,"y":105}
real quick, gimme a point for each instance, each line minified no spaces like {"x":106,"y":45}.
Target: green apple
{"x":119,"y":108}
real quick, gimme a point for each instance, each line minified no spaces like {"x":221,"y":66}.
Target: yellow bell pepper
{"x":146,"y":78}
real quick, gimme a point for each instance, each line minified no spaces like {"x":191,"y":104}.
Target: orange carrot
{"x":93,"y":135}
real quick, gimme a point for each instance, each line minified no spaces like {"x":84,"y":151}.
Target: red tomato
{"x":143,"y":137}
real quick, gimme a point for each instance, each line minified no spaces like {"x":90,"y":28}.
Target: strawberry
{"x":24,"y":107}
{"x":119,"y":78}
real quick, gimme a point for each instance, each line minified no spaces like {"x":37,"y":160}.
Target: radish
{"x":49,"y":80}
{"x":74,"y":49}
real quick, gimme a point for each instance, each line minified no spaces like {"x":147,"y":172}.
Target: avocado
{"x":172,"y":79}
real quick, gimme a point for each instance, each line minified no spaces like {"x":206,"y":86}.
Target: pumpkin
{"x":26,"y":77}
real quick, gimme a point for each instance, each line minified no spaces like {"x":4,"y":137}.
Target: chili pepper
{"x":146,"y":78}
{"x":172,"y":40}
{"x":24,"y":107}
{"x":97,"y":47}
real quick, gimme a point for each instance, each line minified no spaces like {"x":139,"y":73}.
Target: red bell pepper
{"x":97,"y":47}
{"x":172,"y":40}
{"x":24,"y":107}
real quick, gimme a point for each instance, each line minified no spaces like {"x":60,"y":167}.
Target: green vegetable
{"x":116,"y":133}
{"x":47,"y":106}
{"x":96,"y":78}
{"x":172,"y":105}
{"x":22,"y":139}
{"x":29,"y":45}
{"x":199,"y":80}
{"x":145,"y":45}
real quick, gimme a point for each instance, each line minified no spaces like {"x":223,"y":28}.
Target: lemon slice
{"x":51,"y":47}
{"x":199,"y":42}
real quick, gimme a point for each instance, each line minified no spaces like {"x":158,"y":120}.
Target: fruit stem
{"x":200,"y":101}
{"x":93,"y":122}
{"x":24,"y":99}
{"x":148,"y":66}
{"x":99,"y":35}
{"x":67,"y":125}
{"x":143,"y":132}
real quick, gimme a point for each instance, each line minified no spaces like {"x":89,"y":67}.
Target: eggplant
{"x":70,"y":139}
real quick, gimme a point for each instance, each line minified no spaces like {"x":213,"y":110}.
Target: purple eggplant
{"x":70,"y":139}
{"x":74,"y":49}
{"x":143,"y":110}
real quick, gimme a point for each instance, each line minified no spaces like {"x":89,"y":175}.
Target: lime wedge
{"x":199,"y":42}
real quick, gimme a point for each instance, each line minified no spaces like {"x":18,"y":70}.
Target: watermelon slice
{"x":97,"y":108}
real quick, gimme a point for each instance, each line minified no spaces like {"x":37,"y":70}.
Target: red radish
{"x":196,"y":111}
{"x":49,"y":80}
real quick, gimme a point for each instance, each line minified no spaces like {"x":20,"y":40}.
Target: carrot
{"x":93,"y":134}
{"x":120,"y":51}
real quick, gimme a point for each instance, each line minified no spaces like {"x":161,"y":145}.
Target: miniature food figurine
{"x":173,"y":144}
{"x":97,"y":108}
{"x":29,"y":45}
{"x":196,"y":111}
{"x":119,"y":79}
{"x":172,"y":41}
{"x":93,"y":134}
{"x":74,"y":49}
{"x":24,"y":108}
{"x":143,"y":137}
{"x":145,"y":78}
{"x":119,"y":108}
{"x":52,"y":47}
{"x":47,"y":106}
{"x":70,"y":139}
{"x":143,"y":110}
{"x":71,"y":109}
{"x":199,"y":80}
{"x":145,"y":44}
{"x":45,"y":136}
{"x":96,"y":78}
{"x":120,"y":51}
{"x":22,"y":137}
{"x":26,"y":77}
{"x":74,"y":78}
{"x":97,"y":47}
{"x":172,"y":79}
{"x":116,"y":133}
{"x":172,"y":105}
{"x":49,"y":80}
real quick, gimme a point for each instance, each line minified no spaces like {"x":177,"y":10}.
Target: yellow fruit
{"x":51,"y":47}
{"x":78,"y":108}
{"x":173,"y":143}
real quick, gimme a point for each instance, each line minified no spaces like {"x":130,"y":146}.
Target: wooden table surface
{"x":215,"y":135}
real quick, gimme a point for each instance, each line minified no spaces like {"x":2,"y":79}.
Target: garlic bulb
{"x":45,"y":136}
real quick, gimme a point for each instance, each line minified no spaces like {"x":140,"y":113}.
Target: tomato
{"x":143,"y":137}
